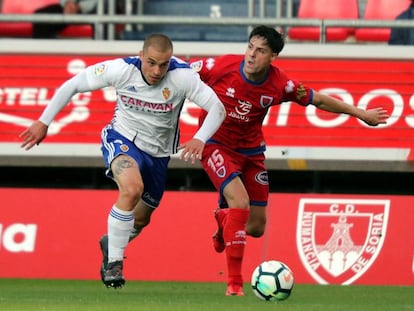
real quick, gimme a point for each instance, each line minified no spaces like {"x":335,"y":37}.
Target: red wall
{"x":363,"y":83}
{"x":55,"y":233}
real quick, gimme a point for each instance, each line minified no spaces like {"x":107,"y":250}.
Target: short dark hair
{"x":274,"y":39}
{"x":159,"y":40}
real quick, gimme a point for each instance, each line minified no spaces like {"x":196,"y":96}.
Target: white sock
{"x":120,"y":224}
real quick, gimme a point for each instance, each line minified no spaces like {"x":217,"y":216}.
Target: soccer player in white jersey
{"x":143,"y":133}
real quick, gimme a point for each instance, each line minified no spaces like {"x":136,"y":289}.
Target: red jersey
{"x":246,"y":102}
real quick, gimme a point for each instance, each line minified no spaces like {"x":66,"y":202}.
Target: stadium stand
{"x":325,"y":9}
{"x":205,"y":8}
{"x":217,"y":16}
{"x":24,"y":30}
{"x":379,"y":10}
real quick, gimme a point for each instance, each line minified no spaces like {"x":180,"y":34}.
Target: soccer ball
{"x":272,"y":280}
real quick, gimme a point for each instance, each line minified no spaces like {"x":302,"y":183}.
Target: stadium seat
{"x":203,"y":8}
{"x":24,"y":30}
{"x":380,"y":10}
{"x":77,"y":31}
{"x":325,"y":9}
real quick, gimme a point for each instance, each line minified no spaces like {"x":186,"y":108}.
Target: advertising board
{"x":325,"y":239}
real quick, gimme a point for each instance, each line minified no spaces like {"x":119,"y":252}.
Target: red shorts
{"x":223,"y":164}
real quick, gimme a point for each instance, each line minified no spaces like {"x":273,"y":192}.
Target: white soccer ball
{"x":272,"y":280}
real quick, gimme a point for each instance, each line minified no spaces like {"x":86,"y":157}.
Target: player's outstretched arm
{"x":374,"y":116}
{"x":191,"y":150}
{"x":33,"y":135}
{"x":371,"y":117}
{"x":36,"y":132}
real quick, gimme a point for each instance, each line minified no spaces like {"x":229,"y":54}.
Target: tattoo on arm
{"x":122,"y":164}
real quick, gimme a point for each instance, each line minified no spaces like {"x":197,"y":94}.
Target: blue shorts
{"x":153,"y":169}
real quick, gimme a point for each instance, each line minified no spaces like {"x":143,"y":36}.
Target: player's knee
{"x":255,"y":230}
{"x":131,"y":195}
{"x":239,"y":202}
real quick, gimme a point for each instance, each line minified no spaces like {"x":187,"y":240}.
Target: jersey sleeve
{"x":93,"y":77}
{"x":197,"y":91}
{"x":203,"y":96}
{"x":201,"y":66}
{"x":107,"y":73}
{"x":295,"y":91}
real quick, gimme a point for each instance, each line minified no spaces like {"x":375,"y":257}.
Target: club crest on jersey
{"x":339,"y":239}
{"x":100,"y":69}
{"x":197,"y":66}
{"x":266,"y":101}
{"x":124,"y":148}
{"x":166,"y":93}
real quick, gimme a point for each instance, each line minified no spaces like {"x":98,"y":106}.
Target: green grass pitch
{"x":70,"y":295}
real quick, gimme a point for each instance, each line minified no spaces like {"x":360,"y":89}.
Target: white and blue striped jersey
{"x":146,"y":114}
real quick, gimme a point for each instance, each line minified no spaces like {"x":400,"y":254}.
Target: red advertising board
{"x":325,"y":239}
{"x":27,"y":83}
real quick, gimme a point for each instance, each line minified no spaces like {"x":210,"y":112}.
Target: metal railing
{"x":100,"y":20}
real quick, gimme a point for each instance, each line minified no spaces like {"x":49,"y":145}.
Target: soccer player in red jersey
{"x":234,"y":157}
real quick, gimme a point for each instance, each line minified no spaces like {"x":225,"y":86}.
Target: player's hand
{"x":375,"y":116}
{"x":33,"y":135}
{"x":192,"y":149}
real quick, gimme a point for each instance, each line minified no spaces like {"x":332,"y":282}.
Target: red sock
{"x":234,"y":234}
